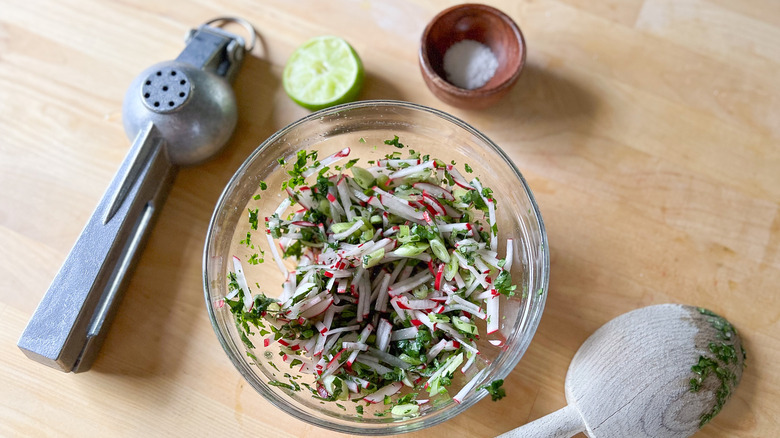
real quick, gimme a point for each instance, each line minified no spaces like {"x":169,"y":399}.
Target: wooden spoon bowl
{"x":662,"y":371}
{"x":483,"y":24}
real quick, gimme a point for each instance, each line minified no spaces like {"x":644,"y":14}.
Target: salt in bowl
{"x":483,"y":24}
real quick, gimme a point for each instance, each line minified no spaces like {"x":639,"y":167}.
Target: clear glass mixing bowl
{"x":363,"y":126}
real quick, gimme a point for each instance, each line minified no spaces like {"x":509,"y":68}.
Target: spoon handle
{"x":563,"y":423}
{"x":69,"y":324}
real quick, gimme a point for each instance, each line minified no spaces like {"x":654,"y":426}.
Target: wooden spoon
{"x":659,"y":371}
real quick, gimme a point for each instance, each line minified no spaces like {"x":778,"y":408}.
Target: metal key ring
{"x":240,"y":21}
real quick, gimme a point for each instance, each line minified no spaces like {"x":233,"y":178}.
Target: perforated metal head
{"x":189,"y":100}
{"x":196,"y":118}
{"x":166,"y":89}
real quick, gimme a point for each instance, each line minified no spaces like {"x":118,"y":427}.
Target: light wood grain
{"x":633,"y":377}
{"x":647,"y":129}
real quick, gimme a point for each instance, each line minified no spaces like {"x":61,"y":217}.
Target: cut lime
{"x":322,"y":72}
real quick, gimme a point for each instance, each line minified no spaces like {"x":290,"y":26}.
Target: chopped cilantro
{"x":253,"y":218}
{"x":395,"y":142}
{"x":472,"y":197}
{"x":255,"y":258}
{"x":247,"y":241}
{"x":503,"y":284}
{"x":351,"y":163}
{"x":495,"y":390}
{"x":282,"y":385}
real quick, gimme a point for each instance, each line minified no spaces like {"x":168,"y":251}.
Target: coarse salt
{"x":469,"y":64}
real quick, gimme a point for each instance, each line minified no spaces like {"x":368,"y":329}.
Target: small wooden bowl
{"x":481,"y":23}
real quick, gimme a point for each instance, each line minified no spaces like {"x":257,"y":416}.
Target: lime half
{"x":322,"y":72}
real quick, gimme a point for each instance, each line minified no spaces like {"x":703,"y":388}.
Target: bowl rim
{"x":386,"y":428}
{"x":446,"y":86}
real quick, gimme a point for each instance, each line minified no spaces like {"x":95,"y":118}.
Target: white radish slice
{"x":416,"y":304}
{"x":409,"y":284}
{"x":434,"y":190}
{"x":346,"y":201}
{"x":491,"y":310}
{"x":382,"y":297}
{"x":510,"y":251}
{"x":385,"y":391}
{"x":468,"y":364}
{"x":354,"y":346}
{"x":343,"y":235}
{"x":320,"y":307}
{"x":349,"y":328}
{"x":362,"y":337}
{"x":472,"y":308}
{"x":276,"y":256}
{"x":458,"y":178}
{"x":405,"y":333}
{"x":411,"y":170}
{"x":458,"y":398}
{"x":327,"y":161}
{"x":457,"y":226}
{"x":397,"y":162}
{"x":241,"y":280}
{"x":387,"y":358}
{"x":372,"y":363}
{"x":383,"y":334}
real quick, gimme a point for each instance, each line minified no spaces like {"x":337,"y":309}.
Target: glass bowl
{"x":363,"y":126}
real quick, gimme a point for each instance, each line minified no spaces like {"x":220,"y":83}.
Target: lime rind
{"x":323,"y":72}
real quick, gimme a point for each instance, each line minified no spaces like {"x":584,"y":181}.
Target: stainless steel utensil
{"x":178,"y":113}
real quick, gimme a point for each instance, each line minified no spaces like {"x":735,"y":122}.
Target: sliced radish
{"x":276,"y":256}
{"x":437,"y":206}
{"x":241,"y":280}
{"x":362,"y":338}
{"x":411,"y":170}
{"x":397,"y":163}
{"x":491,"y":310}
{"x":327,"y":161}
{"x":439,"y":276}
{"x":468,"y":387}
{"x":387,"y":358}
{"x":372,"y":363}
{"x":317,"y":309}
{"x":434,"y":190}
{"x":383,"y":334}
{"x":349,"y":328}
{"x":405,"y":333}
{"x":409,"y":284}
{"x":381,"y":393}
{"x":510,"y":251}
{"x":458,"y":178}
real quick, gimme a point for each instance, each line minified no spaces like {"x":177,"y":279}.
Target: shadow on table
{"x":546,"y":98}
{"x":376,"y":87}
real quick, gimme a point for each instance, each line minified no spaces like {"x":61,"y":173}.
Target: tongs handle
{"x":67,"y":327}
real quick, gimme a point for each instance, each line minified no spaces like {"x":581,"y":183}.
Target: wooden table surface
{"x":648,"y":130}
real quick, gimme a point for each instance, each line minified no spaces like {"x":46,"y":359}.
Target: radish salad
{"x":395,"y":276}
